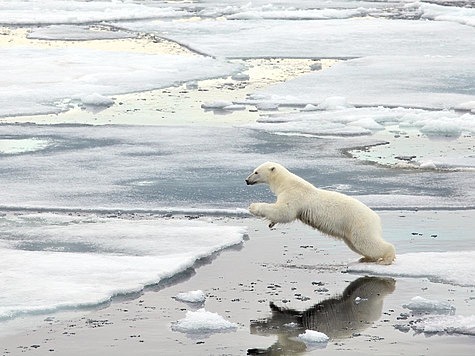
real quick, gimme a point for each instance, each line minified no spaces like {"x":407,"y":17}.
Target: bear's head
{"x":263,"y":173}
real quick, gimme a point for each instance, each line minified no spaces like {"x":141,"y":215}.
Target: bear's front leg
{"x":258,"y":209}
{"x":276,"y":213}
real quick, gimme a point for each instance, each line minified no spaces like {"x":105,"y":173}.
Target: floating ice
{"x":423,"y":305}
{"x":457,"y":267}
{"x":35,"y":80}
{"x":202,"y":321}
{"x":313,"y":337}
{"x":450,"y":324}
{"x":194,"y":296}
{"x":52,"y":262}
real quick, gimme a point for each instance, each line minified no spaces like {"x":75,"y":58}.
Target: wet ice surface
{"x":412,"y":79}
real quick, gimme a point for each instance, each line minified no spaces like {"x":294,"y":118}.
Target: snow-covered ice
{"x":36,"y":81}
{"x":444,"y":267}
{"x":332,"y":38}
{"x":203,"y":322}
{"x":420,"y":81}
{"x":194,"y":296}
{"x":51,"y":262}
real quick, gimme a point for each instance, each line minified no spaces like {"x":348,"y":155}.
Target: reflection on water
{"x":360,"y":305}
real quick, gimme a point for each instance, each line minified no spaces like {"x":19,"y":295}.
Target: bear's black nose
{"x":247,"y":182}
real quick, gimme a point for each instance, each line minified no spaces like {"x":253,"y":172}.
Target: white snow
{"x":35,"y":12}
{"x":313,"y":337}
{"x":202,"y":321}
{"x":422,"y":305}
{"x":51,"y":261}
{"x":194,"y":296}
{"x":450,"y":324}
{"x":36,"y":80}
{"x":348,"y":38}
{"x":443,"y":267}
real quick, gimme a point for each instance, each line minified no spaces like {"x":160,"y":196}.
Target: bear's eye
{"x":255,"y":173}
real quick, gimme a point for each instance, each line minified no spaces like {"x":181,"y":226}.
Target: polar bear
{"x":332,"y":213}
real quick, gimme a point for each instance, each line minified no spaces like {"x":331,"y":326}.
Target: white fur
{"x":332,"y":213}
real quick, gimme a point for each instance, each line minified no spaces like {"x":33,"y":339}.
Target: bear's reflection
{"x":356,"y":309}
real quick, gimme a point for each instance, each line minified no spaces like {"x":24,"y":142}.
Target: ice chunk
{"x":202,"y":321}
{"x":441,"y":128}
{"x":428,"y":165}
{"x":450,"y":324}
{"x":422,"y":305}
{"x":313,"y":337}
{"x":310,"y":107}
{"x":194,"y":296}
{"x":96,"y":99}
{"x":334,"y":103}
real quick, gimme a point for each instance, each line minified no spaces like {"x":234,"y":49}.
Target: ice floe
{"x":442,"y":267}
{"x":52,"y":262}
{"x":422,"y":305}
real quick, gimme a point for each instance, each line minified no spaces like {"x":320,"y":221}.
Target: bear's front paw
{"x":254,"y":209}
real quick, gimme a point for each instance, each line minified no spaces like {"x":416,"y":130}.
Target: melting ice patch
{"x":52,"y":262}
{"x":442,"y":267}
